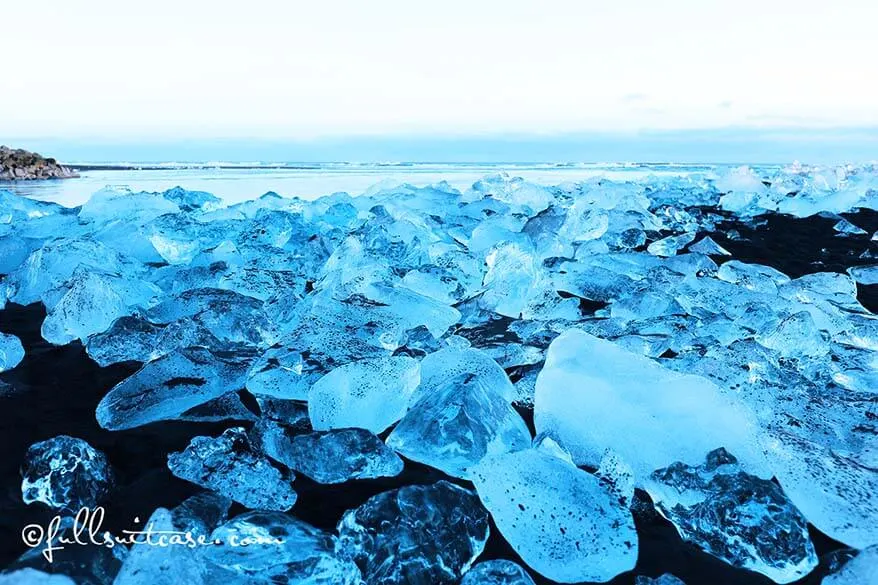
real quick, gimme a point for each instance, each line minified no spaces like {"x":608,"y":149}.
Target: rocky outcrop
{"x":21,"y":165}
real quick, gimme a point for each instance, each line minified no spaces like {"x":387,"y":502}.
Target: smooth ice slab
{"x":565,"y":523}
{"x":270,"y":547}
{"x":746,"y":521}
{"x":459,"y":421}
{"x":369,"y":394}
{"x":11,"y":352}
{"x":65,"y":473}
{"x":498,"y":572}
{"x":334,"y":456}
{"x":416,"y":535}
{"x":592,"y":395}
{"x":230,"y":466}
{"x":167,"y":387}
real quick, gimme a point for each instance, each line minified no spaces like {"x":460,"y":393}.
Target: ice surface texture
{"x":496,"y":573}
{"x":432,"y":318}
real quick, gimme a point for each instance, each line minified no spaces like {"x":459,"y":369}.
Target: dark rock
{"x":21,"y":165}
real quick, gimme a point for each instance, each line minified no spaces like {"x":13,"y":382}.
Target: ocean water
{"x":235,"y":182}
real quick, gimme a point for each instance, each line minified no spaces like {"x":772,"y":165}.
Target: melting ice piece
{"x":865,"y":274}
{"x":860,"y":570}
{"x":368,"y":394}
{"x":91,"y":304}
{"x":708,"y":247}
{"x":836,"y":494}
{"x":753,"y":277}
{"x":497,"y":572}
{"x":670,"y":246}
{"x":281,"y":372}
{"x":270,"y":547}
{"x":846,"y":228}
{"x":169,"y":386}
{"x":415,"y":535}
{"x":30,"y":576}
{"x":335,"y":456}
{"x":230,"y":466}
{"x":460,"y":421}
{"x":562,"y":521}
{"x":148,"y":564}
{"x":593,"y":395}
{"x":11,"y":352}
{"x":65,"y":473}
{"x":666,"y":579}
{"x":745,"y":521}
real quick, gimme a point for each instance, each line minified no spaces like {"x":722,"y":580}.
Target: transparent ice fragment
{"x":230,"y":465}
{"x":65,"y":473}
{"x":11,"y":352}
{"x":497,"y":572}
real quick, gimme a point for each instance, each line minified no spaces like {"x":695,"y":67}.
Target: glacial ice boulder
{"x":334,"y":456}
{"x":565,"y":523}
{"x":231,"y":466}
{"x":11,"y":352}
{"x":745,"y":521}
{"x":270,"y":547}
{"x":65,"y":473}
{"x":460,"y":420}
{"x":497,"y":572}
{"x":593,"y":395}
{"x":167,"y":387}
{"x":835,"y":493}
{"x":368,"y":394}
{"x":415,"y":535}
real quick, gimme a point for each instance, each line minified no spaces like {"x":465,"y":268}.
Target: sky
{"x":111,"y":75}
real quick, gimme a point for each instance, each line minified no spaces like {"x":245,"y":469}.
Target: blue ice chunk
{"x":368,"y":394}
{"x":846,"y":228}
{"x":462,"y":416}
{"x":797,"y":336}
{"x":65,"y":473}
{"x":563,"y":522}
{"x":861,"y":570}
{"x":30,"y":576}
{"x":192,"y":200}
{"x":670,"y":245}
{"x":438,"y":367}
{"x":11,"y":352}
{"x":270,"y":547}
{"x":335,"y":456}
{"x":167,"y":387}
{"x":171,"y":564}
{"x":753,"y":277}
{"x":231,"y":466}
{"x":593,"y":395}
{"x":497,"y":572}
{"x":865,"y":275}
{"x":708,"y":247}
{"x":415,"y":535}
{"x":92,"y":303}
{"x":228,"y":315}
{"x":745,"y":521}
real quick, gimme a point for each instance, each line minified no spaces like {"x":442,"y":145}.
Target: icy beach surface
{"x":547,"y":348}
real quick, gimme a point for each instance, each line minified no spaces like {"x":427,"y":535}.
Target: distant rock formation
{"x":21,"y":165}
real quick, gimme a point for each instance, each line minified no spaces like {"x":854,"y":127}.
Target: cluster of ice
{"x":339,"y":334}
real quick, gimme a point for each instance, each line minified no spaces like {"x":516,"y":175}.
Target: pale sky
{"x":167,"y":69}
